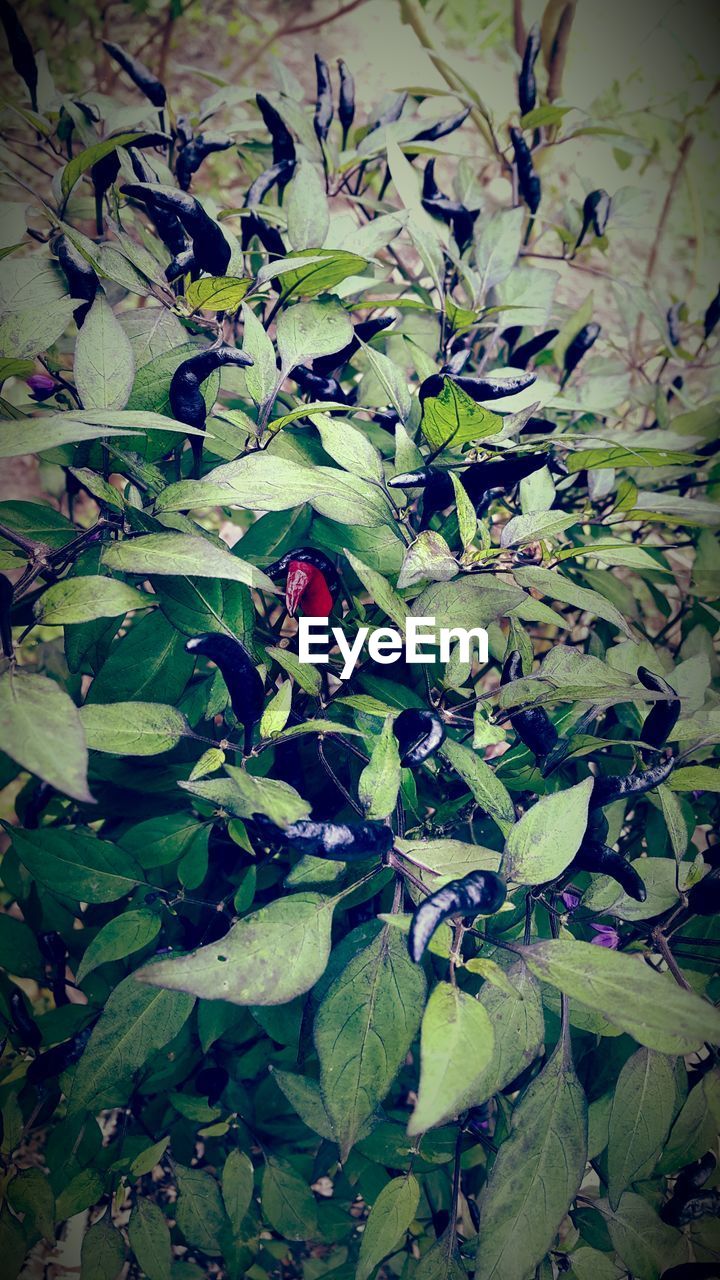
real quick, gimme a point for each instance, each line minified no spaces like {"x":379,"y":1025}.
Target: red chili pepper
{"x":305,"y":585}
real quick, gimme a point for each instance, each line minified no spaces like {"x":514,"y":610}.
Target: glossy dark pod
{"x":689,"y":1180}
{"x":706,"y":1204}
{"x":393,"y":113}
{"x":580,"y":345}
{"x":103,"y":174}
{"x":341,"y":841}
{"x":210,"y":1082}
{"x":81,"y":279}
{"x":277,"y":175}
{"x":480,"y":893}
{"x":186,"y":399}
{"x":362,"y":332}
{"x":182,"y":264}
{"x":346,"y":99}
{"x":451,"y":212}
{"x":607,"y":789}
{"x":54,"y":1061}
{"x":318,"y":386}
{"x":533,"y":726}
{"x":239,"y":673}
{"x":712,"y":315}
{"x":704,"y":897}
{"x":693,"y":1271}
{"x":442,"y":128}
{"x":21,"y":52}
{"x":600,"y":859}
{"x":527,"y":351}
{"x":596,"y":211}
{"x":527,"y":86}
{"x":52,"y":948}
{"x":6,"y":602}
{"x":419,"y":733}
{"x":24,"y":1023}
{"x":323,"y":115}
{"x":528,"y":181}
{"x":190,"y":157}
{"x":283,"y":142}
{"x":211,"y":249}
{"x":478,"y":388}
{"x":672,"y":318}
{"x":140,"y":75}
{"x":662,"y":716}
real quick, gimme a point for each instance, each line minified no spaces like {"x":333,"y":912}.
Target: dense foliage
{"x":479,"y":1039}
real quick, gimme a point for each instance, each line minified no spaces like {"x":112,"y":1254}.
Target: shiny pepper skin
{"x":23,"y":58}
{"x":527,"y":87}
{"x":346,"y":99}
{"x":140,"y":75}
{"x":191,"y":156}
{"x":419,"y":733}
{"x":579,"y":347}
{"x":54,"y":1061}
{"x":711,"y":317}
{"x":282,"y":139}
{"x":323,"y":116}
{"x":103,"y":175}
{"x":663,"y":716}
{"x":526,"y":352}
{"x":393,"y":113}
{"x":6,"y":602}
{"x":210,"y":248}
{"x":528,"y":181}
{"x":689,"y":1180}
{"x":311,"y":581}
{"x":186,"y":399}
{"x":239,"y":673}
{"x":596,"y":211}
{"x":451,"y":212}
{"x":607,"y":789}
{"x":600,"y":859}
{"x":442,"y":128}
{"x":478,"y":388}
{"x":365,"y":331}
{"x":692,"y":1271}
{"x":341,"y":841}
{"x":81,"y":279}
{"x":534,"y":726}
{"x":318,"y":387}
{"x":480,"y":893}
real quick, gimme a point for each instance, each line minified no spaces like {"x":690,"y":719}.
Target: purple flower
{"x":41,"y":386}
{"x":571,"y":900}
{"x":606,"y":936}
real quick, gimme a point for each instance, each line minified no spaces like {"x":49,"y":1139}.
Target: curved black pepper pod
{"x":580,"y":345}
{"x":442,"y":128}
{"x":282,"y":139}
{"x":310,"y":555}
{"x":457,"y":361}
{"x":279,"y":173}
{"x":182,"y":264}
{"x":81,"y":279}
{"x":211,"y":249}
{"x":210,"y":1082}
{"x":523,"y":354}
{"x":346,"y":99}
{"x":6,"y":602}
{"x":527,"y":87}
{"x":528,"y":181}
{"x":140,"y":75}
{"x":704,"y":897}
{"x":103,"y":175}
{"x":323,"y":116}
{"x":362,"y":332}
{"x":21,"y":52}
{"x":393,"y":113}
{"x":692,"y":1271}
{"x":490,"y":388}
{"x":186,"y":399}
{"x":672,"y":317}
{"x":662,"y":716}
{"x":419,"y":733}
{"x":596,"y":211}
{"x":451,"y":212}
{"x":341,"y":841}
{"x":52,"y":948}
{"x":608,"y":789}
{"x":533,"y":726}
{"x":24,"y":1024}
{"x":239,"y":673}
{"x":689,"y":1180}
{"x":704,"y":1205}
{"x":480,"y":893}
{"x":712,"y":315}
{"x":168,"y":225}
{"x":317,"y":386}
{"x":191,"y":156}
{"x":604,"y":861}
{"x":57,"y":1059}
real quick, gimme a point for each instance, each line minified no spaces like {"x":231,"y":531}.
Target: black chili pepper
{"x":211,"y":249}
{"x":419,"y":733}
{"x":690,"y":1179}
{"x":483,"y":388}
{"x":362,"y":332}
{"x":442,"y":128}
{"x":712,"y":315}
{"x":277,"y":173}
{"x":54,"y":1061}
{"x":610,"y":788}
{"x":580,"y":345}
{"x":704,"y":897}
{"x":527,"y":86}
{"x":6,"y":602}
{"x":323,"y":116}
{"x":191,"y":156}
{"x":451,"y":212}
{"x":533,"y":726}
{"x":239,"y":673}
{"x":269,"y":237}
{"x":457,"y":361}
{"x":24,"y":1023}
{"x":528,"y":181}
{"x":481,"y":481}
{"x":181,"y":265}
{"x":340,"y":841}
{"x":692,"y":1271}
{"x":210,"y":1082}
{"x":523,"y":354}
{"x":140,"y":75}
{"x":103,"y":175}
{"x":392,"y":114}
{"x":282,"y":139}
{"x":663,"y":716}
{"x":319,"y":388}
{"x":672,"y":317}
{"x":54,"y":952}
{"x":704,"y":1205}
{"x":23,"y":58}
{"x":596,"y":211}
{"x":538,"y":426}
{"x":480,"y":893}
{"x":168,"y":225}
{"x":81,"y":279}
{"x":601,"y":859}
{"x":186,"y":399}
{"x":346,"y":100}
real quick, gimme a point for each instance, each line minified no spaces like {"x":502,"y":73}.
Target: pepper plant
{"x":412,"y":972}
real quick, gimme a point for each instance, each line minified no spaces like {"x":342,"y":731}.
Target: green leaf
{"x":86,"y":598}
{"x":238,"y":1178}
{"x":104,"y":367}
{"x":642,"y":1111}
{"x":429,"y":556}
{"x":482,"y":781}
{"x":287,"y":1202}
{"x":76,"y":864}
{"x":307,"y":677}
{"x":49,"y":430}
{"x":650,"y":1007}
{"x":133,"y":728}
{"x":546,"y":1148}
{"x":149,"y":1238}
{"x":268,"y":957}
{"x":148,"y":663}
{"x":30,"y":1193}
{"x":181,"y":553}
{"x":363,"y":1030}
{"x":590,"y":1264}
{"x":308,"y":330}
{"x":524,"y":529}
{"x":319,"y":271}
{"x":85,"y":160}
{"x":659,"y":875}
{"x":19,"y":952}
{"x":391,"y":379}
{"x":442,"y":1261}
{"x":448,"y":859}
{"x":497,"y":246}
{"x":555,"y":586}
{"x":200,"y":1214}
{"x":389,"y":1219}
{"x":467,"y":519}
{"x":456,"y":1045}
{"x":305,"y":1097}
{"x":102,"y":1256}
{"x":379,"y":781}
{"x":217,"y":293}
{"x":261,"y":376}
{"x":308,"y":215}
{"x":695,"y":1129}
{"x":645,"y":1244}
{"x":518,"y":1026}
{"x":697,"y":777}
{"x":135,"y":1023}
{"x":348,"y":446}
{"x":28,"y":333}
{"x":276,"y":799}
{"x":275,"y":715}
{"x":674,"y":821}
{"x":544,"y":841}
{"x":119,"y":938}
{"x":454,"y":418}
{"x":380,"y":591}
{"x":36,"y":718}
